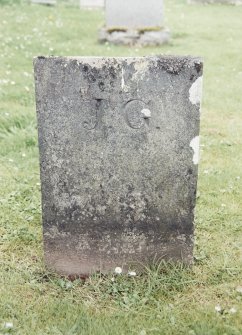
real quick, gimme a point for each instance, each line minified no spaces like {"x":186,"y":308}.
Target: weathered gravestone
{"x":118,"y":141}
{"x":92,"y":3}
{"x":134,"y":22}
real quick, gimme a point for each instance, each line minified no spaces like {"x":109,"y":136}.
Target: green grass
{"x":167,"y":299}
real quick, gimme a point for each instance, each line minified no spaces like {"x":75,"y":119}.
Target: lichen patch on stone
{"x":122,"y":80}
{"x":124,"y":87}
{"x":146,"y":113}
{"x":195,"y":91}
{"x":194,"y":144}
{"x":141,"y":68}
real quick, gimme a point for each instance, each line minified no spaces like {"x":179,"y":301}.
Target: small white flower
{"x":223,"y":205}
{"x":218,"y":308}
{"x":232,"y":310}
{"x":132,"y":273}
{"x":23,"y":155}
{"x":239,"y":289}
{"x":112,"y":279}
{"x":8,"y":325}
{"x":69,"y":285}
{"x":118,"y":270}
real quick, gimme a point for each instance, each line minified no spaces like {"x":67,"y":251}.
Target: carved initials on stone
{"x":136,"y":113}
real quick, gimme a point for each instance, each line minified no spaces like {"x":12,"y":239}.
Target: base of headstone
{"x":44,"y":2}
{"x":135,"y":37}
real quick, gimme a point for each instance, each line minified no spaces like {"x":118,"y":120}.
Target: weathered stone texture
{"x":134,"y":37}
{"x":118,"y":141}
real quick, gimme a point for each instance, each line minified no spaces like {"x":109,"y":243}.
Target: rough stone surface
{"x":118,"y":141}
{"x":92,"y":3}
{"x":134,"y":14}
{"x":134,"y":37}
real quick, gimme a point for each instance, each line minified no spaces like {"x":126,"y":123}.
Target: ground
{"x":168,"y":299}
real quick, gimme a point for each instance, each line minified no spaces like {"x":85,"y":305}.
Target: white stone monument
{"x":134,"y":22}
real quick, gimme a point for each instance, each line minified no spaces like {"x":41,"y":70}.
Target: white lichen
{"x":195,"y":91}
{"x":146,"y":112}
{"x":122,"y":80}
{"x":194,"y":144}
{"x":124,"y":87}
{"x":141,"y":67}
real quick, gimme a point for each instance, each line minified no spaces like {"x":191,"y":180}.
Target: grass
{"x":167,"y":299}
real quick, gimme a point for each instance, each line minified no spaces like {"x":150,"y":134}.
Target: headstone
{"x":118,"y":140}
{"x":92,"y":3}
{"x":44,"y":2}
{"x":134,"y":22}
{"x":134,"y":14}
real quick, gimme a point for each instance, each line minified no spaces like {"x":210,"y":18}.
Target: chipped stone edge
{"x":98,"y":62}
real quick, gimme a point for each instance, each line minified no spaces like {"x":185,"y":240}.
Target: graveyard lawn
{"x":166,"y":299}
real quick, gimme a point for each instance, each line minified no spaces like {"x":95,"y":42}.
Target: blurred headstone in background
{"x":44,"y":2}
{"x":228,"y":2}
{"x":134,"y":22}
{"x":92,"y":3}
